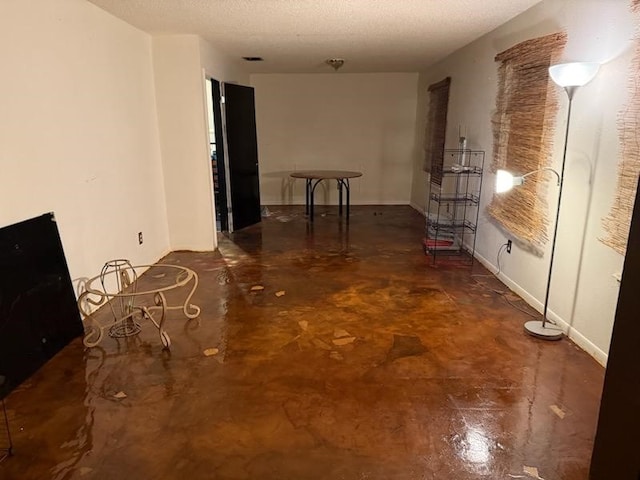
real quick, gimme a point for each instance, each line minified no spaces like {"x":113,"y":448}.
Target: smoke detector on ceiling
{"x":336,"y":63}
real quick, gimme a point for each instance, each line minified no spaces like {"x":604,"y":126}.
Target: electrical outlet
{"x":508,"y":246}
{"x":140,"y":239}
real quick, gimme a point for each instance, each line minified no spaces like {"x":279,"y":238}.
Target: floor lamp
{"x":569,"y":76}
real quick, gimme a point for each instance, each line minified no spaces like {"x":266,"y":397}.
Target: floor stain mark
{"x":405,"y":346}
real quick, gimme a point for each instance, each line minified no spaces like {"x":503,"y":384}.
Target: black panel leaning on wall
{"x":38,"y":310}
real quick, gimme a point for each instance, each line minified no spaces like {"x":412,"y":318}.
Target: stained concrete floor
{"x":374,"y":364}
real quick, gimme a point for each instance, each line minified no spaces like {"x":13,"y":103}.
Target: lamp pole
{"x":569,"y":76}
{"x":538,"y":328}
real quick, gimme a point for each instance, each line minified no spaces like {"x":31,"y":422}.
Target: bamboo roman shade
{"x":617,"y":223}
{"x":523,"y":127}
{"x":436,"y":129}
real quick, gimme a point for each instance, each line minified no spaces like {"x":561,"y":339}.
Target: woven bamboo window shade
{"x":436,"y":129}
{"x":523,"y":127}
{"x":617,"y":223}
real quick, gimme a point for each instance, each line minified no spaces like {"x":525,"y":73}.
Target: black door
{"x":242,"y":152}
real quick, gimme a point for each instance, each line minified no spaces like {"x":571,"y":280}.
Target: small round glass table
{"x":117,"y":286}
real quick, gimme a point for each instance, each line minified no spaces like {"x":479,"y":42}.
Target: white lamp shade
{"x":504,"y":181}
{"x":574,"y":74}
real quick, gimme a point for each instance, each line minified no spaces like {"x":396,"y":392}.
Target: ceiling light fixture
{"x":336,"y":63}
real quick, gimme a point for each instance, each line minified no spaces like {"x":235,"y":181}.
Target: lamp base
{"x":548,"y":332}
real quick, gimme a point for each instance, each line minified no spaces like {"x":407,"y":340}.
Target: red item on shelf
{"x":431,"y":243}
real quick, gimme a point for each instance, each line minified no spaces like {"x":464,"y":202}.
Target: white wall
{"x":219,"y":67}
{"x":362,"y":122}
{"x":181,"y":64}
{"x":78,"y":131}
{"x":184,"y":140}
{"x":584,"y":292}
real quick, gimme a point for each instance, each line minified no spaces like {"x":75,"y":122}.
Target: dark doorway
{"x":616,"y":451}
{"x":242,"y":152}
{"x":216,"y":148}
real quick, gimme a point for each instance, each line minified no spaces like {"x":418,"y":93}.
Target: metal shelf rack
{"x":452,"y":208}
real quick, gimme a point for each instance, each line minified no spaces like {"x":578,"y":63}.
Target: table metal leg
{"x":313,"y":178}
{"x":311,"y":204}
{"x":313,"y":192}
{"x":346,"y":186}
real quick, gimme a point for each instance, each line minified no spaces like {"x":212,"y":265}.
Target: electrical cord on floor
{"x":533,"y":315}
{"x":502,"y":293}
{"x":500,"y":251}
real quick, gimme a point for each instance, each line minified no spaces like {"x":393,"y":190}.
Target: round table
{"x":314,"y":177}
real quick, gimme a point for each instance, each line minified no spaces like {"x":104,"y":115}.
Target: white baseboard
{"x":577,"y":337}
{"x":417,"y":207}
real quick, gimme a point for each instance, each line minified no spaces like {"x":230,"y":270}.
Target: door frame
{"x":227,"y":169}
{"x":222,"y":160}
{"x":214,"y":96}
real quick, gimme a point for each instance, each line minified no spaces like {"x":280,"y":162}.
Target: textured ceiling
{"x":296,"y":36}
